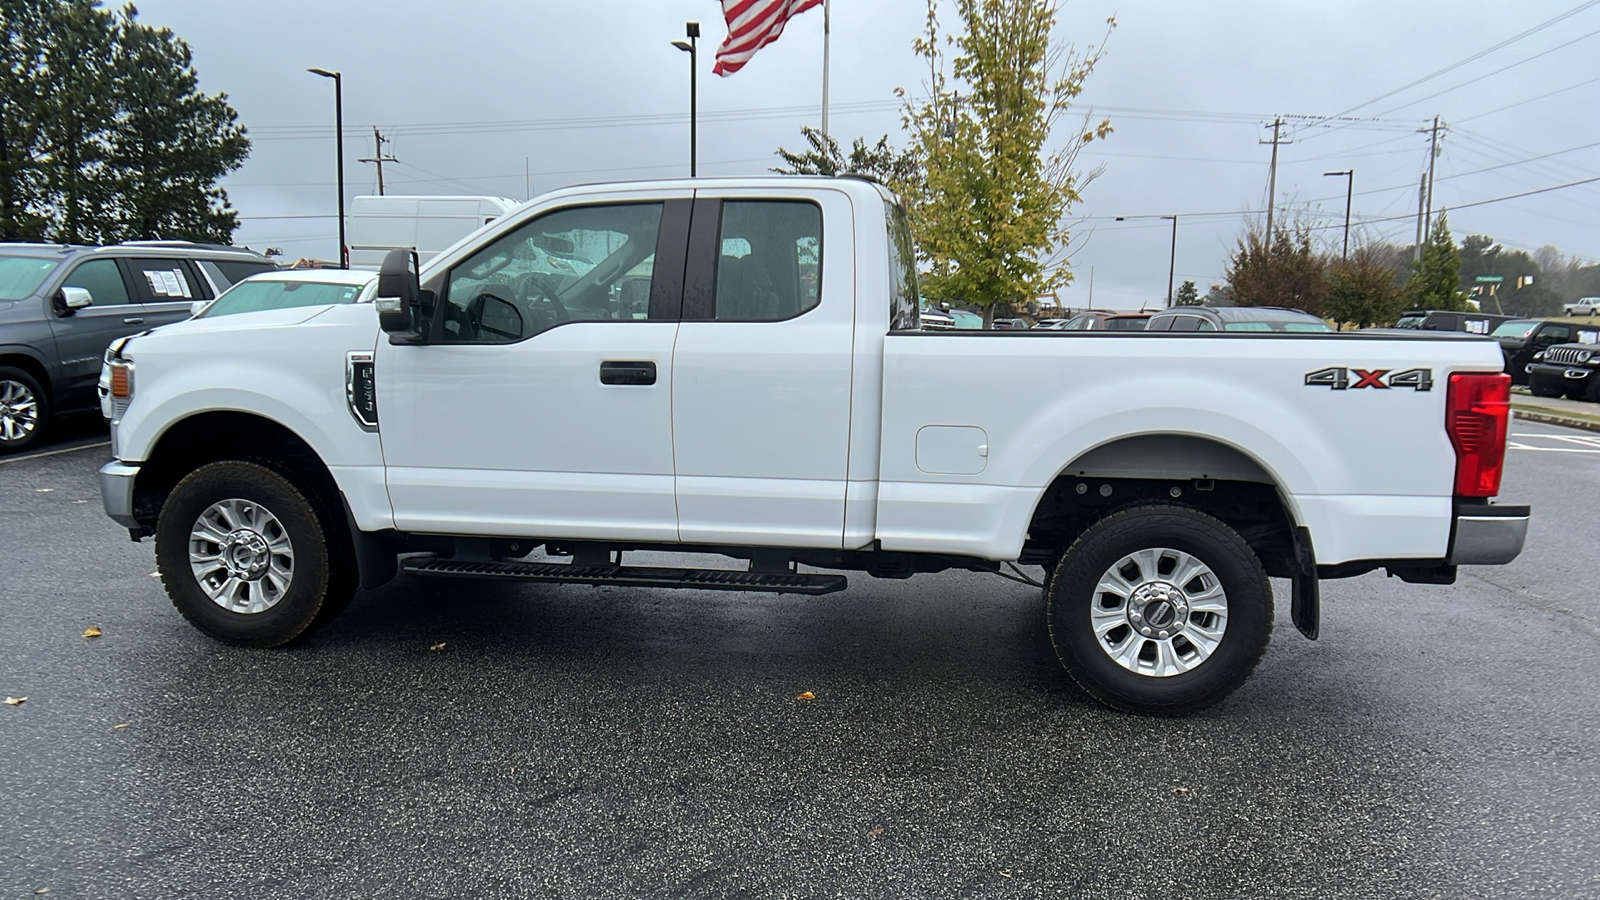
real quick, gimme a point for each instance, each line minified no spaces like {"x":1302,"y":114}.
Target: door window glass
{"x":167,"y":280}
{"x":102,"y":280}
{"x":904,"y":305}
{"x":770,"y":266}
{"x":586,"y":264}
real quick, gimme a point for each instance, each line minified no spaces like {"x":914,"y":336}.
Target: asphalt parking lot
{"x":457,"y":739}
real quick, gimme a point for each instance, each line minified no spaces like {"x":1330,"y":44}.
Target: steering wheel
{"x":533,"y":288}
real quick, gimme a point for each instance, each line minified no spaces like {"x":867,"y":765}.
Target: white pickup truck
{"x":733,"y":367}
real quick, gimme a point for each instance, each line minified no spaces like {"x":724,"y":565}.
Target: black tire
{"x":1594,"y":387}
{"x":1541,"y":387}
{"x":24,"y":410}
{"x":312,"y":587}
{"x":1246,"y":619}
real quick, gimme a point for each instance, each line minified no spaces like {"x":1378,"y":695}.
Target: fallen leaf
{"x":16,"y":701}
{"x":42,"y":490}
{"x":92,"y":632}
{"x":42,"y":891}
{"x":438,"y":646}
{"x":875,"y":831}
{"x":805,"y":695}
{"x":1004,"y":874}
{"x":1180,"y":791}
{"x":155,"y":574}
{"x":121,"y":725}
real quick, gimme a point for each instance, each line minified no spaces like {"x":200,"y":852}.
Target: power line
{"x":1527,"y":101}
{"x":1459,"y":63}
{"x":1539,"y":55}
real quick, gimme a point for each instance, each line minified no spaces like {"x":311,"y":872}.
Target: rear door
{"x":762,"y":369}
{"x":166,"y":288}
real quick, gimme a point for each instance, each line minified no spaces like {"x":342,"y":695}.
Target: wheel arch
{"x":29,"y":363}
{"x":1204,"y":472}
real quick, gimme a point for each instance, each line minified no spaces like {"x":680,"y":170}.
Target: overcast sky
{"x":475,"y":94}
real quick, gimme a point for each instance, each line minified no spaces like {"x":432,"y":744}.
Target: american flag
{"x":753,"y":24}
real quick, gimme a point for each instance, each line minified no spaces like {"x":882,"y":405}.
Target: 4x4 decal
{"x":1339,"y":378}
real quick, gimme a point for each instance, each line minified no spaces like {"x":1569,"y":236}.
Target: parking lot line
{"x":17,"y":459}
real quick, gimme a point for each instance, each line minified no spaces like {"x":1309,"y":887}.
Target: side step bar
{"x":628,"y":576}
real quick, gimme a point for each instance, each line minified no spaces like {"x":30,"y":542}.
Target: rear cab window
{"x":904,"y":304}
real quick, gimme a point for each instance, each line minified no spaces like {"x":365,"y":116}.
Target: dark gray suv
{"x":61,"y":306}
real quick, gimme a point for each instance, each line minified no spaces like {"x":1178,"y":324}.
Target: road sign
{"x":1490,"y":279}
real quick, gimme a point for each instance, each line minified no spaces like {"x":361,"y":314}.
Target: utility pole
{"x":1422,"y":203}
{"x":1433,"y":154}
{"x":1272,"y":178}
{"x":379,"y":140}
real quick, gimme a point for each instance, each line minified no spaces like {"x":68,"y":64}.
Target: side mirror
{"x":398,"y":290}
{"x":198,"y":307}
{"x":72,"y":299}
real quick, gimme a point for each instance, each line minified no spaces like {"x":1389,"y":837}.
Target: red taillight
{"x":1477,"y":416}
{"x":121,"y":382}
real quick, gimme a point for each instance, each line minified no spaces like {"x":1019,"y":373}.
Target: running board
{"x":628,"y":576}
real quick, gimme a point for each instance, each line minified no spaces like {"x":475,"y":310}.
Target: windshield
{"x":255,"y":296}
{"x":1514,"y":328}
{"x":22,"y":275}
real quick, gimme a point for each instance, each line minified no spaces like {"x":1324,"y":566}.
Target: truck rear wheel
{"x":1159,"y":609}
{"x":245,"y":558}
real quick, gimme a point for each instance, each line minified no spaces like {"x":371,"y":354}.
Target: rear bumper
{"x":1488,"y":535}
{"x":116,"y":492}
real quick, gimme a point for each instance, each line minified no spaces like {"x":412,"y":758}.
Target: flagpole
{"x":825,"y":30}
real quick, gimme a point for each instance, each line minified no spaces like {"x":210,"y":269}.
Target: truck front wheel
{"x":244,"y":556}
{"x":1160,"y":610}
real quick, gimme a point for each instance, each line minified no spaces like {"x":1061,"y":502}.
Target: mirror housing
{"x":71,"y":299}
{"x":198,"y":307}
{"x":398,"y":294}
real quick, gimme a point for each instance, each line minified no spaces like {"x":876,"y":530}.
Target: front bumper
{"x":1556,"y":371}
{"x":1487,"y":535}
{"x":116,"y":492}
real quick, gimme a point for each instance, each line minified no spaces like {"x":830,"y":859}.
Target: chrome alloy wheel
{"x":241,"y":556}
{"x":19,"y":411}
{"x":1159,"y":612}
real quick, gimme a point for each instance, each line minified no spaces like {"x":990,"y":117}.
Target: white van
{"x":427,"y":225}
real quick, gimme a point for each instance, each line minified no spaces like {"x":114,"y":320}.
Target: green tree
{"x":1285,"y":272}
{"x":1362,"y":290}
{"x":104,"y":135}
{"x":172,"y":143}
{"x":989,"y":215}
{"x":897,"y":169}
{"x":1436,"y":280}
{"x":1187,"y":295}
{"x":1482,"y":257}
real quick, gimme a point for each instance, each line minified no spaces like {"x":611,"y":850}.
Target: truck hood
{"x":267,"y":318}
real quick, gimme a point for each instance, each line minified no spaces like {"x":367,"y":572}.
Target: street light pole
{"x":692,"y":31}
{"x":338,"y":124}
{"x":1349,"y":191}
{"x":1172,"y":263}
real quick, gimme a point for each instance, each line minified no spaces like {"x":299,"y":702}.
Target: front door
{"x":542,"y":406}
{"x":83,"y":335}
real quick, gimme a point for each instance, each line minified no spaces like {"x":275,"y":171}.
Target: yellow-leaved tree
{"x":990,"y":214}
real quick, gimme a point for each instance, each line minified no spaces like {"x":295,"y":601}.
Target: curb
{"x":1550,"y":418}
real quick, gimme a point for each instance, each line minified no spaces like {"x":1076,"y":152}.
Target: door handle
{"x":640,"y":372}
{"x":133,"y":320}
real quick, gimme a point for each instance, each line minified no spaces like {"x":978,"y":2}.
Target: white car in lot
{"x":767,"y":395}
{"x":1583,"y":306}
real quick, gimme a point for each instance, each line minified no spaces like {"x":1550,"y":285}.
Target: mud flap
{"x":1305,"y":604}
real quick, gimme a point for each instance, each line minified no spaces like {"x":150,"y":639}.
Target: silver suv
{"x":61,"y":306}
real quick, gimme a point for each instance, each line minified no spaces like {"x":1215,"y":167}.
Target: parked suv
{"x":1442,"y":320}
{"x":1106,"y":320}
{"x":61,"y":306}
{"x":1566,"y":369}
{"x":1231,"y":318}
{"x":1519,"y":351}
